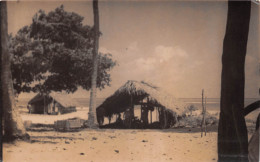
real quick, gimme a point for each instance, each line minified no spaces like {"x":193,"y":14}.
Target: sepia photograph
{"x":130,"y":81}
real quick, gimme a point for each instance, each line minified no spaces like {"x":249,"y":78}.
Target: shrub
{"x":195,"y":121}
{"x":190,"y":109}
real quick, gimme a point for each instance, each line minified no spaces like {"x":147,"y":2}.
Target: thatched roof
{"x":62,"y":98}
{"x":137,"y":91}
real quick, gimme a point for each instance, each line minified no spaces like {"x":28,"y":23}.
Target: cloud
{"x":166,"y":53}
{"x":133,"y":46}
{"x":163,"y":66}
{"x":146,"y":64}
{"x":163,"y":58}
{"x":169,"y":67}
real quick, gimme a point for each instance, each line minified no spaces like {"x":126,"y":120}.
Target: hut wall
{"x":48,"y":105}
{"x":137,"y":111}
{"x":69,"y":109}
{"x":50,"y":108}
{"x":64,"y":110}
{"x":37,"y":108}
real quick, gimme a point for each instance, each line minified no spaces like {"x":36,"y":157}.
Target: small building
{"x":148,"y":98}
{"x":53,"y":103}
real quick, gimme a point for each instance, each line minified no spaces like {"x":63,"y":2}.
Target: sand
{"x":50,"y":119}
{"x":105,"y":145}
{"x":114,"y":145}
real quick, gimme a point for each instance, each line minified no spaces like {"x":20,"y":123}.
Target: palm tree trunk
{"x":251,"y":107}
{"x":92,"y":121}
{"x":232,"y":131}
{"x":13,"y":125}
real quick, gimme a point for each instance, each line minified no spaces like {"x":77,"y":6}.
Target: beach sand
{"x":114,"y":145}
{"x":81,"y":113}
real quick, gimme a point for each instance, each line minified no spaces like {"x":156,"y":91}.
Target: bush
{"x":190,"y":109}
{"x":195,"y":121}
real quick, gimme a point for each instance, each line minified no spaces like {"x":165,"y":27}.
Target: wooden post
{"x":132,"y":106}
{"x":156,"y":113}
{"x":44,"y":109}
{"x":165,"y":118}
{"x":151,"y":116}
{"x":203,"y":122}
{"x":141,"y":111}
{"x":203,"y":113}
{"x":131,"y":111}
{"x":205,"y":116}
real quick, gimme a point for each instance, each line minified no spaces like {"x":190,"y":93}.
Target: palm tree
{"x":13,"y":125}
{"x":92,"y":121}
{"x":232,"y":131}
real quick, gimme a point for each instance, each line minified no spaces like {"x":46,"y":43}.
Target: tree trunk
{"x":92,"y":121}
{"x":232,"y":131}
{"x":1,"y":99}
{"x":13,"y":124}
{"x":251,"y":107}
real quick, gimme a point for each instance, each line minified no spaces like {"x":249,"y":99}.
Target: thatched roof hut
{"x":133,"y":92}
{"x":53,"y":102}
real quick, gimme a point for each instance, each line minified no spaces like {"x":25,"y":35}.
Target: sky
{"x":174,"y":45}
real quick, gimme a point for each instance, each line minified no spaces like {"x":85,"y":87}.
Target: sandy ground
{"x":50,"y":119}
{"x":180,"y":145}
{"x":114,"y":145}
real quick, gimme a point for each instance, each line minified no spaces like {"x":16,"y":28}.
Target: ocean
{"x":211,"y":104}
